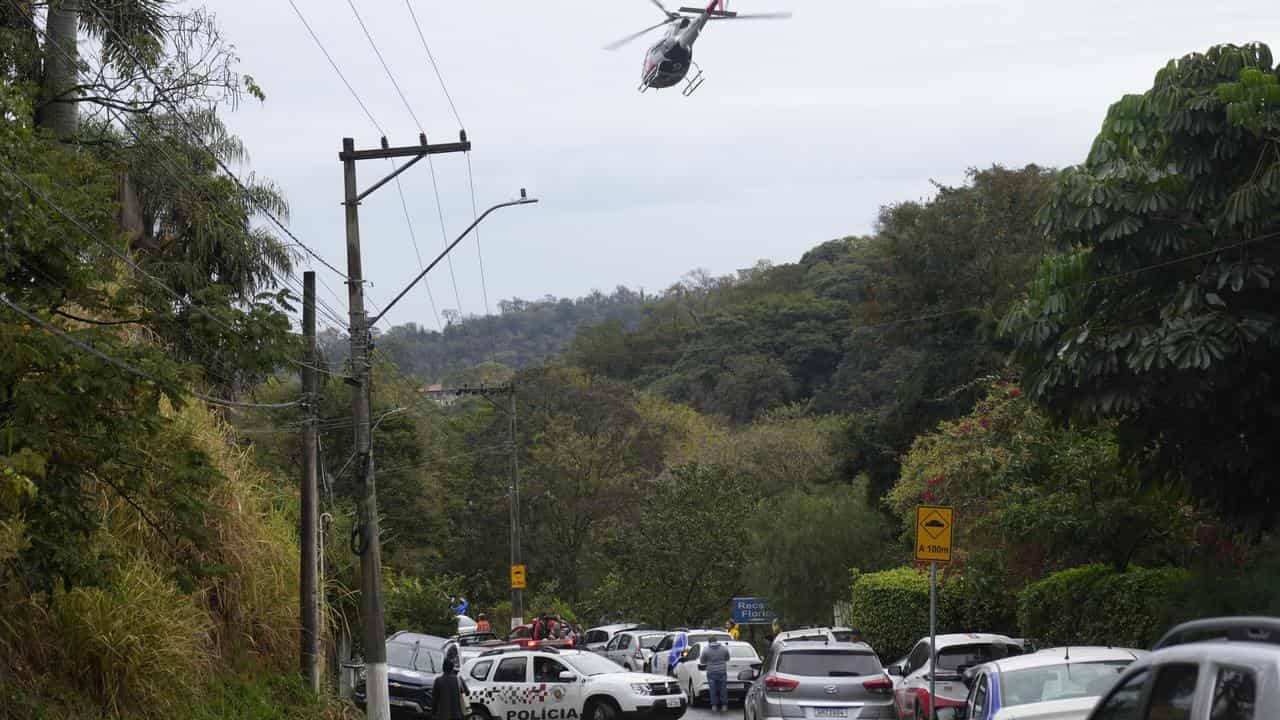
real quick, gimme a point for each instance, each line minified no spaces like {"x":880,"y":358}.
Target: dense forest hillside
{"x":524,"y":333}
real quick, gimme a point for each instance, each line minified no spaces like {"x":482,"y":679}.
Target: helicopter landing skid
{"x":694,"y":82}
{"x":646,"y":82}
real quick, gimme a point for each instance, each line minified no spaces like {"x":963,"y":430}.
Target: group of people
{"x":552,"y":627}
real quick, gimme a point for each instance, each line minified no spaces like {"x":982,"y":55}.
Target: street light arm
{"x":441,"y":256}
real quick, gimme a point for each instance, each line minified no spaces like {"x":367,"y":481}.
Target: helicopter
{"x":668,"y":61}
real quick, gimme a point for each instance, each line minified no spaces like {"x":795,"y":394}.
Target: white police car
{"x":546,"y":684}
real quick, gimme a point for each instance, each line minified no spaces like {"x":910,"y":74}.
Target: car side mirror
{"x":895,"y":670}
{"x":568,"y":676}
{"x":748,"y":674}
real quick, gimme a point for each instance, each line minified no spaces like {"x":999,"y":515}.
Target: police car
{"x":546,"y":684}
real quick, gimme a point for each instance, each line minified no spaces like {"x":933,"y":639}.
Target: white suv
{"x":545,"y":684}
{"x":1226,"y":668}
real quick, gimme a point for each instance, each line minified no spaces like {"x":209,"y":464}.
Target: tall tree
{"x":1161,"y":310}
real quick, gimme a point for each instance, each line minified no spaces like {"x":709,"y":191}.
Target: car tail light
{"x":882,"y":686}
{"x":773,"y":683}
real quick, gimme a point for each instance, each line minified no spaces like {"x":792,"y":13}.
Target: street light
{"x":524,"y":200}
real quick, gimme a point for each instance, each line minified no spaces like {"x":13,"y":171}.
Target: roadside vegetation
{"x":1080,"y":360}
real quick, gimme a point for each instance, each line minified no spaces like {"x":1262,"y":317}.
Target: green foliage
{"x":685,"y":534}
{"x":1033,"y":496}
{"x":417,"y":605}
{"x":891,"y":608}
{"x":1161,"y":312}
{"x":1098,"y":605}
{"x":802,"y":543}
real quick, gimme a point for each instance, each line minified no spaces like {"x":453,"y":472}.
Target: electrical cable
{"x":434,"y":66}
{"x":130,"y":368}
{"x":484,"y":285}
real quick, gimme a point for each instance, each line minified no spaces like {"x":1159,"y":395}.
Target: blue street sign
{"x":753,"y":611}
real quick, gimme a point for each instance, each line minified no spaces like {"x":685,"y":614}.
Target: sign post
{"x":934,"y":525}
{"x":518,"y":579}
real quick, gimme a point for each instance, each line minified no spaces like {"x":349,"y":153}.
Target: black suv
{"x":413,"y":663}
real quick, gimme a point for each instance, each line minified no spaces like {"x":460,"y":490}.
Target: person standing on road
{"x":482,"y":624}
{"x":716,"y":657}
{"x":449,"y":693}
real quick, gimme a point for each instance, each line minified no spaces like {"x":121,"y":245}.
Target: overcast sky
{"x":803,"y":129}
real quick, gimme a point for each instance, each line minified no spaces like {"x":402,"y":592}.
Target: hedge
{"x":1098,"y":605}
{"x":891,"y":608}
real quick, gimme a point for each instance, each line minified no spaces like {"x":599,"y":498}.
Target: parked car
{"x":691,"y":672}
{"x":632,"y":648}
{"x":668,"y":650}
{"x":413,"y":662}
{"x":547,"y":684}
{"x":1054,"y":684}
{"x":956,"y":653}
{"x":818,"y":680}
{"x":1212,"y":669}
{"x":832,"y":634}
{"x":596,"y":638}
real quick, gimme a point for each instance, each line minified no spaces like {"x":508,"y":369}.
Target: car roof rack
{"x":1235,"y":629}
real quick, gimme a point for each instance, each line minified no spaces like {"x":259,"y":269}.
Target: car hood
{"x":629,"y":677}
{"x":410,"y":677}
{"x":1072,"y":709}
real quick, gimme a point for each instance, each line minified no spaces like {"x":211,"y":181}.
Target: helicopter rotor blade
{"x":754,"y":16}
{"x":633,"y":36}
{"x":670,"y":15}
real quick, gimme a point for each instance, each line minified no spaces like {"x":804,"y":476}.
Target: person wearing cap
{"x":449,"y":693}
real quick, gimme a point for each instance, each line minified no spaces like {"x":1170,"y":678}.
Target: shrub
{"x":1098,"y":605}
{"x":891,"y":608}
{"x":130,"y":644}
{"x":417,"y":606}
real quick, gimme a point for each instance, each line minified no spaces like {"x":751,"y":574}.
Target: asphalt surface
{"x":702,"y":712}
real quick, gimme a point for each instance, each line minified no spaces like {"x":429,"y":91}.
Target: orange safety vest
{"x":482,"y":626}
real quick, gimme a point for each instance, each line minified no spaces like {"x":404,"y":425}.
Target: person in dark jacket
{"x":449,"y":693}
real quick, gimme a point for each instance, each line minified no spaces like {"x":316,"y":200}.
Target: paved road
{"x":702,"y":712}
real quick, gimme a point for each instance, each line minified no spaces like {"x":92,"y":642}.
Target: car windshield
{"x":1059,"y":682}
{"x":828,"y":663}
{"x":476,"y":639}
{"x":589,"y":664}
{"x":649,"y":642}
{"x":401,"y":655}
{"x":956,"y":658}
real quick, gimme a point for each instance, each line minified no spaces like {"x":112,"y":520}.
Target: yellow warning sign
{"x":933,"y":533}
{"x":518,"y":581}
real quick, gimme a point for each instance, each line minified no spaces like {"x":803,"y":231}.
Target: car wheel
{"x":480,"y":712}
{"x":600,"y":710}
{"x":919,"y":713}
{"x":693,"y":699}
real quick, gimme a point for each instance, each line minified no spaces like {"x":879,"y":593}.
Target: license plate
{"x":830,"y":712}
{"x":673,"y":702}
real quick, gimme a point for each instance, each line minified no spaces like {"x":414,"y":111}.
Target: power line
{"x":434,"y":66}
{"x":484,"y":285}
{"x":130,"y":368}
{"x":385,"y":67}
{"x":336,"y":69}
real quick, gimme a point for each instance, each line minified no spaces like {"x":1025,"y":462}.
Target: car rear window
{"x":703,"y":637}
{"x":1059,"y":682}
{"x":842,"y":635}
{"x":828,"y":663}
{"x":649,"y":642}
{"x":959,"y":657}
{"x":742,"y":651}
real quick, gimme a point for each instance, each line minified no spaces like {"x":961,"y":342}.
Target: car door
{"x":623,"y":651}
{"x":611,"y":649}
{"x":688,"y":673}
{"x":978,"y":704}
{"x":753,"y":706}
{"x":1125,"y":701}
{"x":904,"y":694}
{"x":510,"y":682}
{"x":660,"y":654}
{"x":553,"y":693}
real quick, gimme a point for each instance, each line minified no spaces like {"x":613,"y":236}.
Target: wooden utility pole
{"x":378,"y":701}
{"x":309,"y":595}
